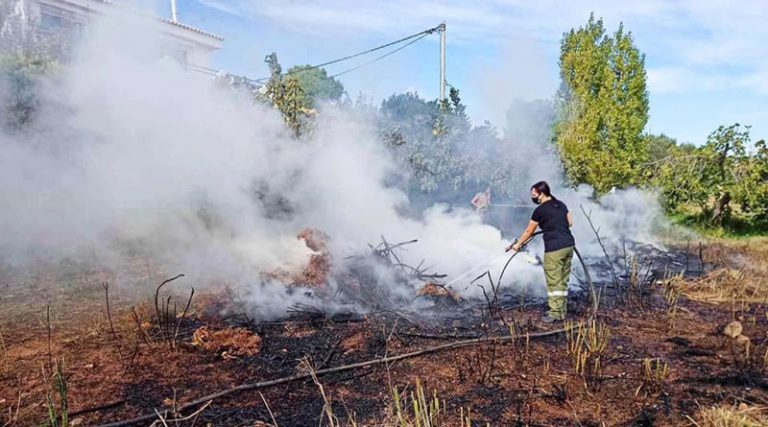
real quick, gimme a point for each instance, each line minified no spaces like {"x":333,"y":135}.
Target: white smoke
{"x":131,"y":152}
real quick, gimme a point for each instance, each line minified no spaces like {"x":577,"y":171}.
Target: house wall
{"x":68,"y":19}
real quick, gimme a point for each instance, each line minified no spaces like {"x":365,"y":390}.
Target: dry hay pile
{"x":740,"y":274}
{"x":726,"y":285}
{"x":729,"y":416}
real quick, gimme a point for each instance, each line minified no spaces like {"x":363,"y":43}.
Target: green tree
{"x":285,"y":94}
{"x":659,"y":147}
{"x":751,"y":190}
{"x":714,"y":177}
{"x":603,"y":107}
{"x":315,"y":85}
{"x":19,"y":78}
{"x":725,"y":159}
{"x":436,"y":142}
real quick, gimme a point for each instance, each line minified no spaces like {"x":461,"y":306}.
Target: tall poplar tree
{"x":603,"y":107}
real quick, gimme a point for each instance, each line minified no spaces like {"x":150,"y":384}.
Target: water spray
{"x":534,"y":261}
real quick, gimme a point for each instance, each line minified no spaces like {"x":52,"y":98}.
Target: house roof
{"x":191,"y":28}
{"x":162,"y":19}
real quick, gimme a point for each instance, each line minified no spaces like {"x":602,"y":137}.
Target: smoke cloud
{"x":132,"y":154}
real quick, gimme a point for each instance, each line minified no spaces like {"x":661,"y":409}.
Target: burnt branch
{"x":115,"y":338}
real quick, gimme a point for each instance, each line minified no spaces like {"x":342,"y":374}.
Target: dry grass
{"x":727,"y":286}
{"x":728,"y":416}
{"x":586,"y":344}
{"x":655,"y":374}
{"x":740,"y":274}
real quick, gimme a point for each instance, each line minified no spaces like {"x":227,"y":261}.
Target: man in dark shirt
{"x":554,"y":219}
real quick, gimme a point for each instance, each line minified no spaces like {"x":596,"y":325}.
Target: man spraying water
{"x":555,"y":221}
{"x":482,"y":200}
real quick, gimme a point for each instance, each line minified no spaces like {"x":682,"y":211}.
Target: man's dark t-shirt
{"x":552,"y":217}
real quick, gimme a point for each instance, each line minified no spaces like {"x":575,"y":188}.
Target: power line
{"x":417,"y":36}
{"x":216,"y":73}
{"x":355,"y":55}
{"x":378,"y":58}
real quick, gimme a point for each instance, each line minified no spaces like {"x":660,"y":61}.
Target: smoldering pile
{"x":373,"y":280}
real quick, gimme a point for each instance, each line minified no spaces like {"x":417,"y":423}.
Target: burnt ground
{"x":523,"y":382}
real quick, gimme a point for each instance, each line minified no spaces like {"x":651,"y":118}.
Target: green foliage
{"x":19,"y":76}
{"x":722,"y":183}
{"x":440,"y":147}
{"x":603,"y":107}
{"x":58,"y":415}
{"x":315,"y":85}
{"x":659,"y":146}
{"x":286,"y":94}
{"x":750,"y":191}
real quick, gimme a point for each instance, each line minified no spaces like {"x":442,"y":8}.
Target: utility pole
{"x":173,"y":11}
{"x":442,"y":61}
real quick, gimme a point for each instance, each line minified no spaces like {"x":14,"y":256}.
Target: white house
{"x":68,"y":18}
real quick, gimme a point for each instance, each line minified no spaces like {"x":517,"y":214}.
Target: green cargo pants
{"x":557,"y":269}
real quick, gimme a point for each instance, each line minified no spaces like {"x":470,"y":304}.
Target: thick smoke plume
{"x":132,"y":154}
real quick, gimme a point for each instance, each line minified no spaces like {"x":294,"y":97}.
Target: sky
{"x":707,"y":61}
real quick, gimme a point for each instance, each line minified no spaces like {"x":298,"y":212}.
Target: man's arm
{"x":570,"y":219}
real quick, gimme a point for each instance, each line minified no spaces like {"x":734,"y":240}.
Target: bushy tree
{"x":441,"y":150}
{"x":286,"y":94}
{"x":315,"y":85}
{"x":19,"y":76}
{"x":659,"y":146}
{"x":24,"y":58}
{"x":603,"y":107}
{"x":750,"y":189}
{"x":714,"y":178}
{"x":407,"y":117}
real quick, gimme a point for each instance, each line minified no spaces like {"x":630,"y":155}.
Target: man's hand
{"x":514,"y":247}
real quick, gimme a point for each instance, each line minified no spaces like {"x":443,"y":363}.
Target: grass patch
{"x":733,"y":229}
{"x":725,"y":416}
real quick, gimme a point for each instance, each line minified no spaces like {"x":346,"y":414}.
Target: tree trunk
{"x":721,"y":209}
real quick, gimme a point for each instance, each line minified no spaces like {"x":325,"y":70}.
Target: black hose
{"x":591,"y":286}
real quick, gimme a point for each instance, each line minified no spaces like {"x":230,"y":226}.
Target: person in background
{"x":482,"y":200}
{"x":554,"y":219}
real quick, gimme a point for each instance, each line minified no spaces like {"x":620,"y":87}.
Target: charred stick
{"x":403,"y":244}
{"x":48,"y":324}
{"x":145,"y":336}
{"x":437,"y":337}
{"x":432,"y":276}
{"x":183,"y":315}
{"x":111,"y":325}
{"x":158,"y":308}
{"x":330,"y":354}
{"x":98,"y":408}
{"x":600,"y":242}
{"x":169,"y":318}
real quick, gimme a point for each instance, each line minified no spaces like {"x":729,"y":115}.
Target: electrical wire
{"x":378,"y":58}
{"x":418,"y":36}
{"x":365,"y":52}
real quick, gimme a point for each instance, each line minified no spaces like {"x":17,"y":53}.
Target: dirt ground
{"x":666,"y":356}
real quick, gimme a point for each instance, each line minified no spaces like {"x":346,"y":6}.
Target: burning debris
{"x":315,"y":273}
{"x":229,"y":343}
{"x":371,"y":280}
{"x":435,"y":290}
